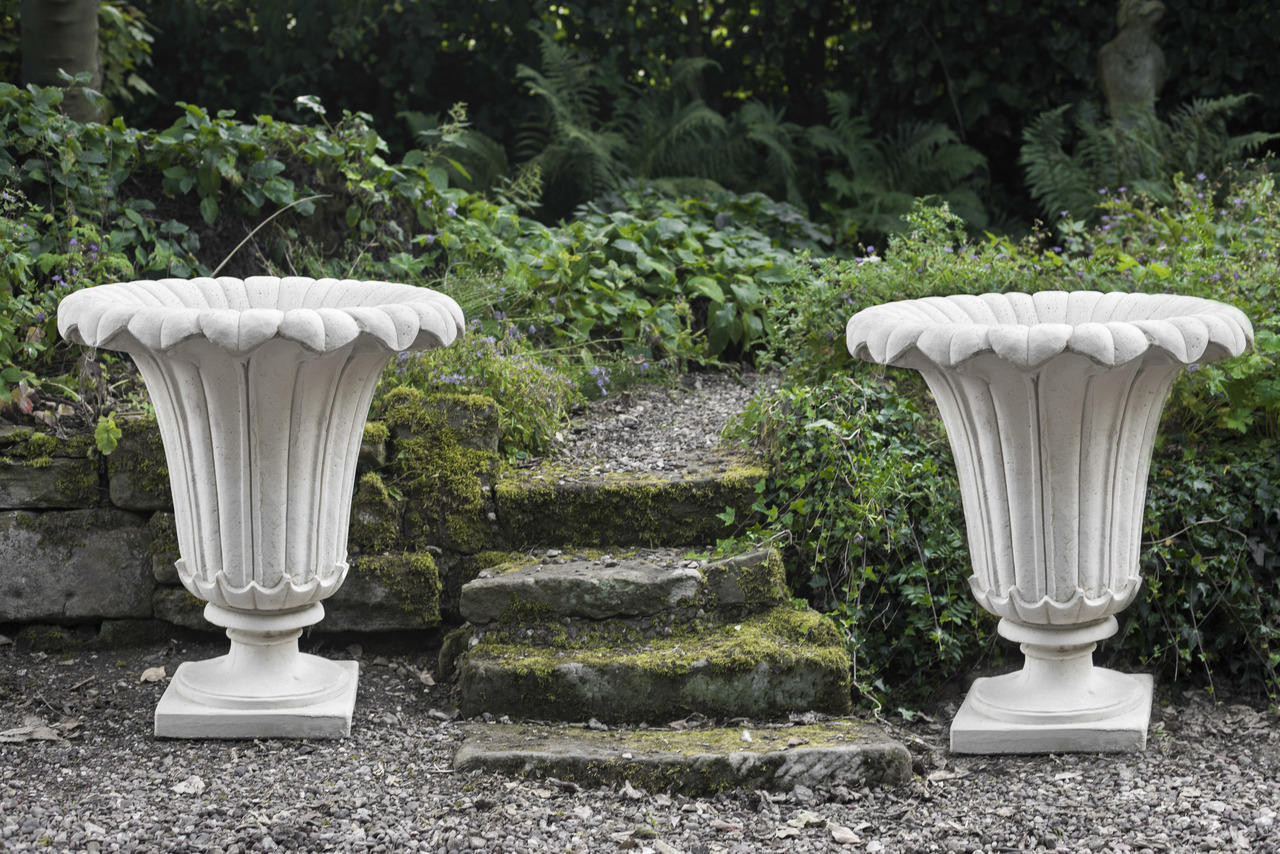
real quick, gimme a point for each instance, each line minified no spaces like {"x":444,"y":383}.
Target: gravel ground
{"x":80,"y":770}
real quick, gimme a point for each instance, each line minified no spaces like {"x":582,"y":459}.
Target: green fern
{"x":1142,"y":152}
{"x":874,"y":182}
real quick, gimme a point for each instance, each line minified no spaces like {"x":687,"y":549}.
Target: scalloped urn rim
{"x":1027,"y":330}
{"x":238,"y":315}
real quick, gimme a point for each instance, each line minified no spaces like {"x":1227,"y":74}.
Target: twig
{"x":259,"y":227}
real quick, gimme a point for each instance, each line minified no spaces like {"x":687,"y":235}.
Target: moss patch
{"x":413,"y":578}
{"x":137,"y":469}
{"x":375,"y":517}
{"x":445,"y":481}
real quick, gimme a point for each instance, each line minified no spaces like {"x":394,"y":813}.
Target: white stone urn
{"x":1051,"y":403}
{"x":261,"y":388}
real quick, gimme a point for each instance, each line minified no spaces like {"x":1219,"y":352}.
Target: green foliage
{"x":1211,"y":557}
{"x":873,"y":183}
{"x":106,"y":435}
{"x":863,"y":499}
{"x":1210,"y":611}
{"x":683,"y":279}
{"x":124,"y":47}
{"x":1140,"y":151}
{"x":533,"y":399}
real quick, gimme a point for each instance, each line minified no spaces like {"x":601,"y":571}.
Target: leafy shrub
{"x":533,"y":398}
{"x":1210,"y":611}
{"x":1211,"y":561}
{"x":665,"y":278}
{"x":863,"y":498}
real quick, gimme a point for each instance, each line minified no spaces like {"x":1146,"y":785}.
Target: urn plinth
{"x":1051,"y":403}
{"x":261,"y":388}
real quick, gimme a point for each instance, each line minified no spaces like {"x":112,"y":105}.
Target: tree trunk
{"x":62,"y":34}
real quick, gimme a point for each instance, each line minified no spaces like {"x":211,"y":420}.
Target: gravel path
{"x":80,"y":770}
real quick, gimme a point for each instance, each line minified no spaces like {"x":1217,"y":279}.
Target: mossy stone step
{"x":643,"y":583}
{"x":766,"y":665}
{"x":550,"y":506}
{"x":692,"y":762}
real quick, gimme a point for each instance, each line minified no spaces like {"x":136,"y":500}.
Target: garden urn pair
{"x":1051,"y":403}
{"x":261,"y":388}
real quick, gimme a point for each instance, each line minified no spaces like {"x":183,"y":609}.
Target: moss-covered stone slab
{"x":74,"y":565}
{"x":137,"y":473}
{"x":840,"y":752}
{"x":49,"y":483}
{"x":649,"y":582}
{"x":175,"y":605}
{"x":765,"y":666}
{"x":544,"y":507}
{"x":384,"y":593}
{"x":443,"y":463}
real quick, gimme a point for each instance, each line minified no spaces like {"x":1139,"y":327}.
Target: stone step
{"x":692,"y":762}
{"x":549,"y":506}
{"x":643,"y":583}
{"x":766,"y":665}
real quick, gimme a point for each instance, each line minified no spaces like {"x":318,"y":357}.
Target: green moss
{"x":62,"y":529}
{"x":444,"y":481}
{"x":376,"y":431}
{"x":745,"y":583}
{"x":520,"y":612}
{"x":375,"y":518}
{"x":621,"y":509}
{"x":140,"y":457}
{"x":414,"y":579}
{"x":81,"y":484}
{"x":454,"y":644}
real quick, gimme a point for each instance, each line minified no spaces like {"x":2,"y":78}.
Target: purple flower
{"x":72,"y":242}
{"x":452,"y":210}
{"x":40,"y":315}
{"x":429,"y":239}
{"x":1102,"y":191}
{"x":1199,"y":176}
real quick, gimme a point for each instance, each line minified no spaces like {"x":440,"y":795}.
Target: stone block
{"x":639,"y":585}
{"x":745,"y":583}
{"x":74,"y":565}
{"x":540,"y":509}
{"x":375,"y":518}
{"x":765,"y":666}
{"x":385,"y":593}
{"x":694,"y":762}
{"x":137,"y":474}
{"x":175,"y":605}
{"x":49,"y":483}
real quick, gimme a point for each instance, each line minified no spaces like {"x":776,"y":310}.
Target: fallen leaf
{"x":806,"y":818}
{"x":942,"y":774}
{"x":153,"y":674}
{"x":786,"y":831}
{"x":193,"y":785}
{"x":843,"y":835}
{"x":725,"y":826}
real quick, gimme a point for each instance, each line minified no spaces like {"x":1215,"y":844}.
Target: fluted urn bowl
{"x":261,"y":388}
{"x":1051,"y":403}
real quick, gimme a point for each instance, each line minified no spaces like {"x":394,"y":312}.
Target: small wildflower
{"x":452,"y":210}
{"x":40,"y":316}
{"x":1200,"y":176}
{"x":429,"y":239}
{"x":1122,"y":190}
{"x":1102,"y":191}
{"x":73,"y":242}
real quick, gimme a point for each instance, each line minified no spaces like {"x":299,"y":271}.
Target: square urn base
{"x":177,"y":716}
{"x":974,"y":732}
